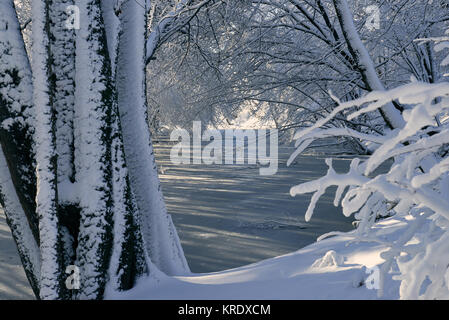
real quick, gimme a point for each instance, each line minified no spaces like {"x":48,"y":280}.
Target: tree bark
{"x":52,"y":268}
{"x":364,"y":63}
{"x":72,"y":190}
{"x":161,"y":239}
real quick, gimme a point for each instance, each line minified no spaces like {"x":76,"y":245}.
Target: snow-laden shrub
{"x":415,"y":188}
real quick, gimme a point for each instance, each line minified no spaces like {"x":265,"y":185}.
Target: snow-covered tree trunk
{"x":52,"y":268}
{"x":71,"y":184}
{"x":112,"y":28}
{"x":129,"y":260}
{"x":62,"y":77}
{"x":110,"y":244}
{"x":62,"y":72}
{"x":16,"y":112}
{"x":161,"y":239}
{"x":93,"y":97}
{"x":17,"y":166}
{"x":364,"y":63}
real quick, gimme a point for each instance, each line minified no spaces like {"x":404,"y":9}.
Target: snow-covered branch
{"x":175,"y":20}
{"x":416,"y":183}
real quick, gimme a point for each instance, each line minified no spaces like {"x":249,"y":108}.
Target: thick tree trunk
{"x":129,"y":258}
{"x":93,"y":100}
{"x":17,"y":166}
{"x":17,"y":222}
{"x":73,"y":193}
{"x":16,"y":112}
{"x":161,"y":239}
{"x":62,"y":42}
{"x":110,"y":246}
{"x":52,"y":264}
{"x":62,"y":84}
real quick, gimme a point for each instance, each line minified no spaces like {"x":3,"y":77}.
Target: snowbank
{"x":334,"y":268}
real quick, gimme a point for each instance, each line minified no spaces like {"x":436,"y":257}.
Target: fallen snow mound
{"x":330,"y":259}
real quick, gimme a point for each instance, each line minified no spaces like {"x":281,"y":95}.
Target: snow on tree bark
{"x":17,"y":167}
{"x":66,"y":185}
{"x":16,"y":112}
{"x":15,"y":217}
{"x":160,"y":237}
{"x":62,"y":81}
{"x":63,"y":70}
{"x":112,"y":27}
{"x":364,"y":63}
{"x":51,"y":283}
{"x":93,"y":100}
{"x":129,"y":258}
{"x":110,"y":245}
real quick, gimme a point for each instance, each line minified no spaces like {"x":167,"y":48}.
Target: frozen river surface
{"x":229,"y":215}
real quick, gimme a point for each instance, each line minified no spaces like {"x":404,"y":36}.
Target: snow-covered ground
{"x":329,"y":269}
{"x":228,"y":216}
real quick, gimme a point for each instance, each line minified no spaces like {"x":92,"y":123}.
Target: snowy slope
{"x":314,"y":272}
